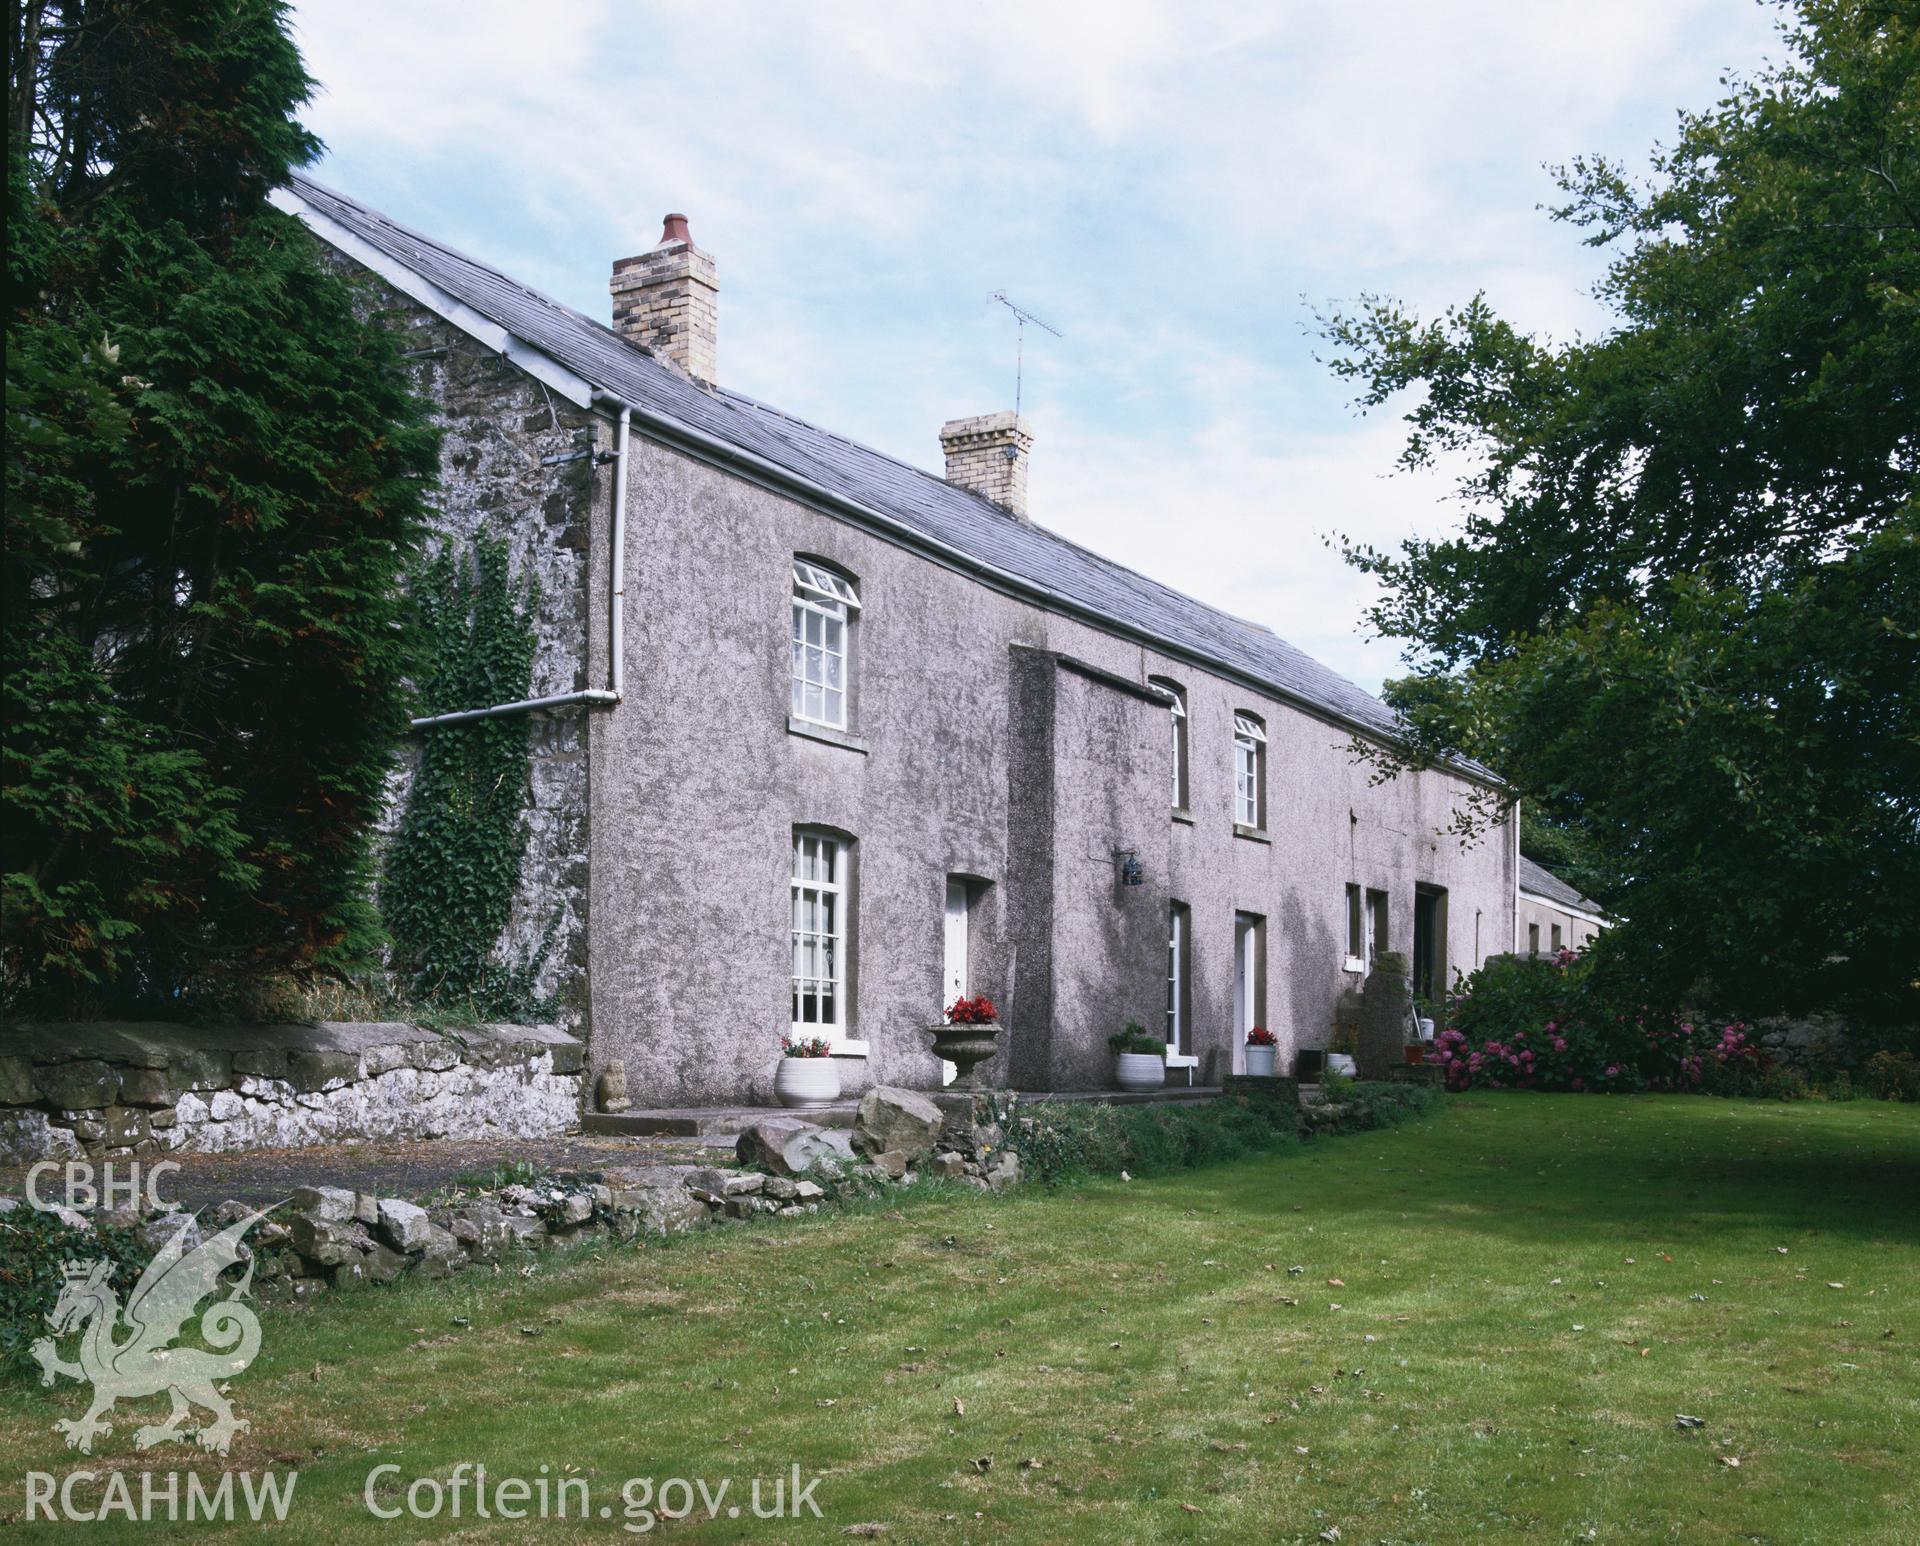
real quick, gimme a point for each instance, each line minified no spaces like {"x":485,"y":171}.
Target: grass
{"x":1532,"y":1287}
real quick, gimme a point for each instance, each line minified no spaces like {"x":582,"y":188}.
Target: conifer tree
{"x":215,"y":475}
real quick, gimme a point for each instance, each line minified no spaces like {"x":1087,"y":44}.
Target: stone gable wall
{"x":517,"y":463}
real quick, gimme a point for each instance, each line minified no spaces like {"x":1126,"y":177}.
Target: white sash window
{"x":823,"y":607}
{"x":1249,"y":770}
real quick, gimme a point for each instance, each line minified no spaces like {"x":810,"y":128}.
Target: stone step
{"x":725,"y":1121}
{"x":708,"y":1121}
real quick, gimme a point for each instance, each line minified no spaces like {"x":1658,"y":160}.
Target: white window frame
{"x":1177,"y":712}
{"x":1249,"y":770}
{"x":821,"y":644}
{"x":1373,"y":904}
{"x":820,"y":897}
{"x":1179,"y":936}
{"x":1357,"y":927}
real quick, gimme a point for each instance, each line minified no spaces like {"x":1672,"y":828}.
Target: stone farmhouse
{"x":823,"y":740}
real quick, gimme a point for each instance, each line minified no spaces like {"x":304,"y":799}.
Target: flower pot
{"x":1416,"y":1053}
{"x":1260,"y":1061}
{"x":964,"y":1046}
{"x":1341,"y":1063}
{"x":1139,"y":1070}
{"x":806,"y":1082}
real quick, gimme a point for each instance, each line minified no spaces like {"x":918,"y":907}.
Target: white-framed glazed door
{"x":955,"y":985}
{"x":1244,"y":990}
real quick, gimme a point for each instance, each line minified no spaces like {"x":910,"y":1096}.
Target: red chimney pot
{"x":675,"y":230}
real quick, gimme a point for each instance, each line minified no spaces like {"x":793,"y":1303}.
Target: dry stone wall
{"x":104,"y":1090}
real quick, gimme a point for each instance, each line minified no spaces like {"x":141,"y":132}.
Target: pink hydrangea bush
{"x":1542,"y":1024}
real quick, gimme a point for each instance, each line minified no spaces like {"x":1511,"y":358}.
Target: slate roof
{"x":1543,"y":883}
{"x":1030,"y":556}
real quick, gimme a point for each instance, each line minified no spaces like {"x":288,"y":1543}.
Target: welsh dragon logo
{"x":144,"y":1363}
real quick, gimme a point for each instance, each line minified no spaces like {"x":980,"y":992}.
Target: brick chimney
{"x":988,"y":454}
{"x":667,"y":301}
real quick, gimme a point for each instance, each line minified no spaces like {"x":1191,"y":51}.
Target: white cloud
{"x":1163,"y":180}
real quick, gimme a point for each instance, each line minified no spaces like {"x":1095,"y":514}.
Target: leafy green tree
{"x":1683,"y":608}
{"x":215,"y":473}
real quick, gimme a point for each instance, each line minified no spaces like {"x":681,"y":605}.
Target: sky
{"x":1177,"y":187}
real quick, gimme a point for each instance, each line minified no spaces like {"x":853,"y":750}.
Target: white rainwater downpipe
{"x":617,"y":607}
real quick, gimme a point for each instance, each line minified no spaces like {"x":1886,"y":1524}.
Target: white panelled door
{"x":956,"y":956}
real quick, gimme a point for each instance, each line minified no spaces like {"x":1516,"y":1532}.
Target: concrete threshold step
{"x":709,"y":1121}
{"x":725,"y":1121}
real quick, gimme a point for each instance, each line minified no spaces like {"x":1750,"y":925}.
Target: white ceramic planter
{"x":1260,"y":1061}
{"x":1426,"y":1030}
{"x":1139,"y":1070}
{"x":807,"y":1082}
{"x":1341,"y":1063}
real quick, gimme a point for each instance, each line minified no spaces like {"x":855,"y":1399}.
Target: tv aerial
{"x":1021,"y":317}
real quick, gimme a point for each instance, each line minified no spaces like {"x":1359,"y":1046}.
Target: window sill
{"x":1180,"y":1060}
{"x":1182,"y":815}
{"x":1354,"y":964}
{"x":849,"y":1049}
{"x":826,"y":733}
{"x":1251,"y":834}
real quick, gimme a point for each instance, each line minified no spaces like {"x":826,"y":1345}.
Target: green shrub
{"x":33,"y":1244}
{"x":1893,"y":1076}
{"x":1137,"y":1038}
{"x":1364,"y":1105}
{"x":1066,"y":1140}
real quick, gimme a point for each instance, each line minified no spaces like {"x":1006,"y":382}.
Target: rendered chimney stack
{"x":667,"y":301}
{"x":988,"y":454}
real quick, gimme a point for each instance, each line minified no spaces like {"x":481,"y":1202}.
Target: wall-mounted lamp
{"x":1131,"y":874}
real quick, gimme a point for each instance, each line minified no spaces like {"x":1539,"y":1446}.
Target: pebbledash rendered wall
{"x":989,"y":739}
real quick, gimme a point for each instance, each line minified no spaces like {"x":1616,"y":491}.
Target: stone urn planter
{"x":1260,"y":1060}
{"x":1139,"y":1070}
{"x":966,"y":1047}
{"x":967,"y":1038}
{"x":806,"y":1082}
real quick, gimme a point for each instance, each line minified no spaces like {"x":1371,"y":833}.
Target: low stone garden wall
{"x":326,"y":1236}
{"x":111,"y":1089}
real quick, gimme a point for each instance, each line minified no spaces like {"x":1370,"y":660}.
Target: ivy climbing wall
{"x":517,"y":466}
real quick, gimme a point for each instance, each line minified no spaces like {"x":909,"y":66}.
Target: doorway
{"x":1249,"y":982}
{"x":957,"y":981}
{"x":1430,"y":942}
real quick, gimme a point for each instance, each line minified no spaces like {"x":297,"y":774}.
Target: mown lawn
{"x":1530,"y":1289}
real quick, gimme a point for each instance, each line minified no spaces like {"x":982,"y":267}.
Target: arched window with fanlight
{"x":1177,"y":712}
{"x":825,"y":606}
{"x":1249,"y":771}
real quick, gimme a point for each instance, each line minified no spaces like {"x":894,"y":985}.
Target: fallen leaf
{"x":983,"y":1463}
{"x":1682,"y":1420}
{"x":1335,"y":1283}
{"x":959,"y":1407}
{"x":1731,"y":1461}
{"x":1189,"y":1508}
{"x":866,"y":1530}
{"x":1031,"y":1465}
{"x":1836,"y":1285}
